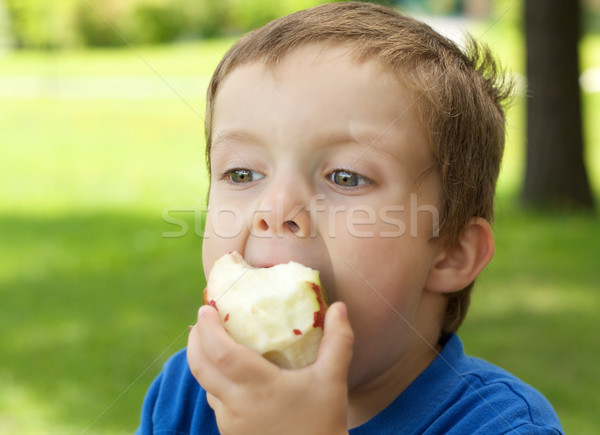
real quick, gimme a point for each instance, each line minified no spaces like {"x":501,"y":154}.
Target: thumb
{"x":207,"y":315}
{"x":335,"y":352}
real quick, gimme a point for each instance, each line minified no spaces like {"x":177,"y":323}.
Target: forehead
{"x":324,"y":90}
{"x":325,"y":60}
{"x":326,"y":74}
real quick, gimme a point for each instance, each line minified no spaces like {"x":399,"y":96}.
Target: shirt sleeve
{"x":148,"y":407}
{"x":176,"y":404}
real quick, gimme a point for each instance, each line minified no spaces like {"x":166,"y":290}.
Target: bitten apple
{"x":278,"y":311}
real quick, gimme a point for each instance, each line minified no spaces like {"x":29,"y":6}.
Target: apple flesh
{"x":278,"y":311}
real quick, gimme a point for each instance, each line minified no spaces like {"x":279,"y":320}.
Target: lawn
{"x":95,"y":299}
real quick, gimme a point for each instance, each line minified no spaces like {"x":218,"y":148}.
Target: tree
{"x":555,"y":174}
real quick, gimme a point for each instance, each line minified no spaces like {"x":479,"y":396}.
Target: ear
{"x":458,"y":265}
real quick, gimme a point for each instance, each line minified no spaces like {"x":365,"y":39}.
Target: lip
{"x":271,"y":256}
{"x":267,"y":265}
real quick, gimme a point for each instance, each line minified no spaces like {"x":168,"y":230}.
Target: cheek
{"x":380,"y":278}
{"x":378,"y":282}
{"x":382,"y":294}
{"x":374,"y":255}
{"x":424,"y":219}
{"x":223,"y":233}
{"x":380,"y":333}
{"x":224,"y":222}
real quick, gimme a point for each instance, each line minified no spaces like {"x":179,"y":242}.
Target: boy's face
{"x":317,"y":160}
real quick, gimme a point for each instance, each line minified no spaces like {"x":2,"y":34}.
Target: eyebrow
{"x":363,"y":137}
{"x":370,"y":139}
{"x":227,"y":136}
{"x":245,"y":136}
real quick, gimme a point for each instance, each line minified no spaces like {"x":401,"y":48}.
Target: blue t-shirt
{"x":455,"y":394}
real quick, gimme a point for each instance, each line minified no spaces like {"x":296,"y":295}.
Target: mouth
{"x":267,"y":264}
{"x":267,"y":255}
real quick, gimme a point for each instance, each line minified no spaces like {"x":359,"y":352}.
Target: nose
{"x":283,"y":209}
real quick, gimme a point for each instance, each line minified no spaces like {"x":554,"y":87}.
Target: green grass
{"x":94,"y":299}
{"x":88,"y":302}
{"x":67,"y":155}
{"x":92,"y":294}
{"x":535,"y":309}
{"x":190,"y":58}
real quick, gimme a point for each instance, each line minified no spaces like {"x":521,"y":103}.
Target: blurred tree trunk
{"x":555,"y":174}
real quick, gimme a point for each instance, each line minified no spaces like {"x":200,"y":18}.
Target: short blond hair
{"x":459,"y":96}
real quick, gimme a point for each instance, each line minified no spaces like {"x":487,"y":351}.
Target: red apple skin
{"x":319,"y":315}
{"x":212,"y":302}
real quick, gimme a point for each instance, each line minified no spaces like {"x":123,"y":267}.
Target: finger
{"x":335,"y":352}
{"x":221,"y":411}
{"x":238,"y":363}
{"x":213,"y":402}
{"x":207,"y":375}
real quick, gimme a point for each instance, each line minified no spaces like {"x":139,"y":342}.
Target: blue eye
{"x":345,"y":178}
{"x":240,"y":176}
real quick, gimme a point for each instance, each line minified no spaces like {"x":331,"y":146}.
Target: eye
{"x":346,"y":178}
{"x":240,"y":176}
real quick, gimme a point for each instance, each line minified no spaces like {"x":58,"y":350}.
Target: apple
{"x":278,"y":311}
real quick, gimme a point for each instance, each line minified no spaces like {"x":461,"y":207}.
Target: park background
{"x":101,"y":148}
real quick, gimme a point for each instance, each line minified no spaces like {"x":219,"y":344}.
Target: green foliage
{"x":254,"y":14}
{"x":157,"y":23}
{"x":205,"y":18}
{"x":70,"y":23}
{"x":43,"y":24}
{"x":246,"y":15}
{"x":100,"y":24}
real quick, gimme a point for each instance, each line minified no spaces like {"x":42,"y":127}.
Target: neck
{"x":370,"y":398}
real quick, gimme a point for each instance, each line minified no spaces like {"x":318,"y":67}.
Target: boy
{"x":361,"y":143}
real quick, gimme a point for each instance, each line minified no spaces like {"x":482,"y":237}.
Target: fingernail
{"x":202,"y":311}
{"x":190,"y":327}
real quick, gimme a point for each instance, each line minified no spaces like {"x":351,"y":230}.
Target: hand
{"x":250,"y":395}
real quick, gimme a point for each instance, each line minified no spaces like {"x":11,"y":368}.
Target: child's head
{"x":456,"y":100}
